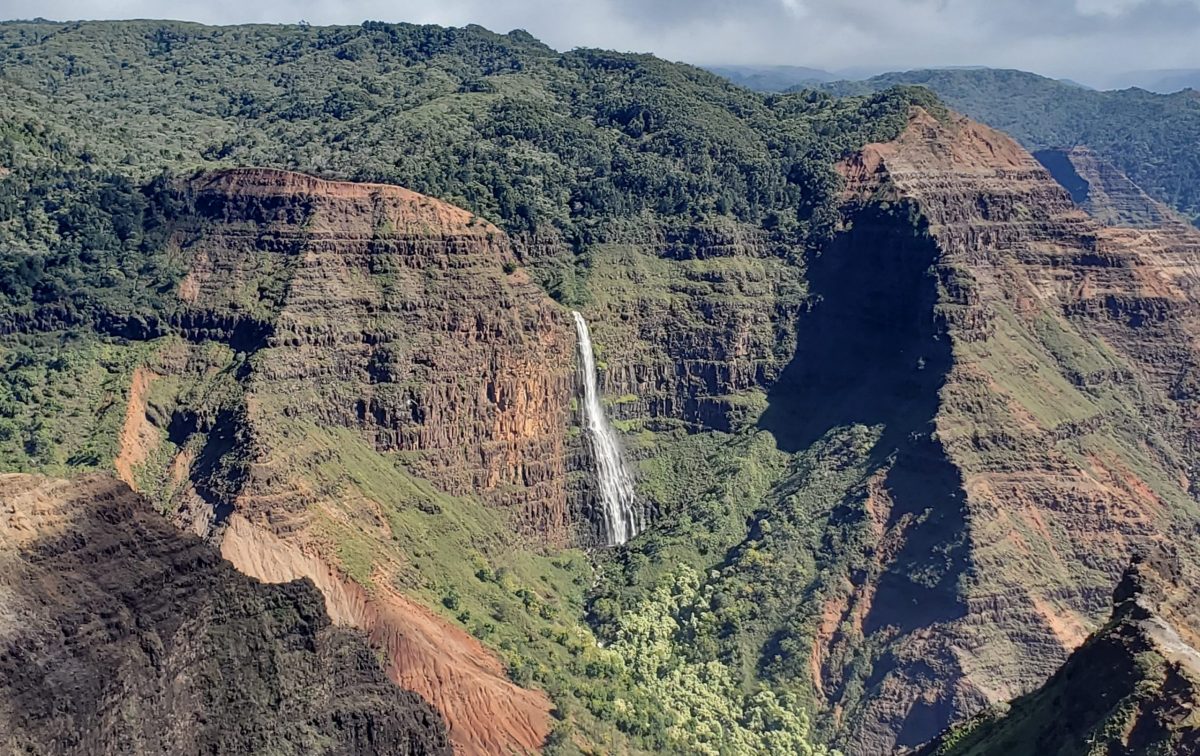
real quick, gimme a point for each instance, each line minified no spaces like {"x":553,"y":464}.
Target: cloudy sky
{"x":1084,"y":39}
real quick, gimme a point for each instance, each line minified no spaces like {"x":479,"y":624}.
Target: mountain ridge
{"x":1017,"y":210}
{"x":1145,"y":135}
{"x":121,"y":634}
{"x":1144,"y":701}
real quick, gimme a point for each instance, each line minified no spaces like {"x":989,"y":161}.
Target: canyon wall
{"x":691,"y":324}
{"x":393,"y":314}
{"x":390,"y":384}
{"x":1104,"y":192}
{"x":1062,"y":413}
{"x":366,"y":379}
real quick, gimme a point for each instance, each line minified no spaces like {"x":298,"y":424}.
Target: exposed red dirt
{"x":402,"y":207}
{"x":138,"y":435}
{"x":486,"y":713}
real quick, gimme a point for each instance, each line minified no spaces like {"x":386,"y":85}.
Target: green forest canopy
{"x":537,"y":141}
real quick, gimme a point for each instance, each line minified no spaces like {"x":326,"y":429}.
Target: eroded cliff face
{"x":365,"y":378}
{"x":392,"y":314}
{"x":119,"y":634}
{"x":692,"y":324}
{"x":365,"y":383}
{"x":1060,"y":415}
{"x":1103,"y":191}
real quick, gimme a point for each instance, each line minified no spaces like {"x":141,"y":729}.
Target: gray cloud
{"x":1085,"y":39}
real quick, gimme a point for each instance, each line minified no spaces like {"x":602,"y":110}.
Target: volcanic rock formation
{"x":380,"y":351}
{"x":358,"y":358}
{"x":119,"y":634}
{"x":692,"y":322}
{"x":1104,"y":192}
{"x":1063,"y":425}
{"x":376,"y":309}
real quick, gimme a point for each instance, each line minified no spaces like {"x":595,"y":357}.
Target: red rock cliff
{"x":1067,"y":412}
{"x":365,"y":366}
{"x":392,"y":314}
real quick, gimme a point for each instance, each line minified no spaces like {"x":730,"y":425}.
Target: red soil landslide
{"x":138,"y":436}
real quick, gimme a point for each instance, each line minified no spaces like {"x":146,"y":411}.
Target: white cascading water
{"x":616,"y":483}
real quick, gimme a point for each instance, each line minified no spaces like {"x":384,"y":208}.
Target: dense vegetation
{"x":85,"y":246}
{"x":1150,"y":137}
{"x":540,"y":142}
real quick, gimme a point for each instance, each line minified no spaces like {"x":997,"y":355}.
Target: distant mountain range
{"x":1148,"y":136}
{"x":764,"y":78}
{"x":775,"y":78}
{"x":1162,"y":81}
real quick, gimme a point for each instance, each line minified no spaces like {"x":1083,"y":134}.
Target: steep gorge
{"x":998,"y":339}
{"x":890,"y":481}
{"x":873,"y":351}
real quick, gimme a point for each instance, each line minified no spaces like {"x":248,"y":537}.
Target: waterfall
{"x":612,"y":474}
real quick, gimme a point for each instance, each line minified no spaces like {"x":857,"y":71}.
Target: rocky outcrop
{"x":118,"y":634}
{"x":1132,"y":687}
{"x":1062,"y":411}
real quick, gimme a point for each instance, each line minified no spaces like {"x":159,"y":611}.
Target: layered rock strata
{"x":357,"y":359}
{"x":1103,"y":191}
{"x":1063,"y":418}
{"x":393,"y":314}
{"x":691,"y":325}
